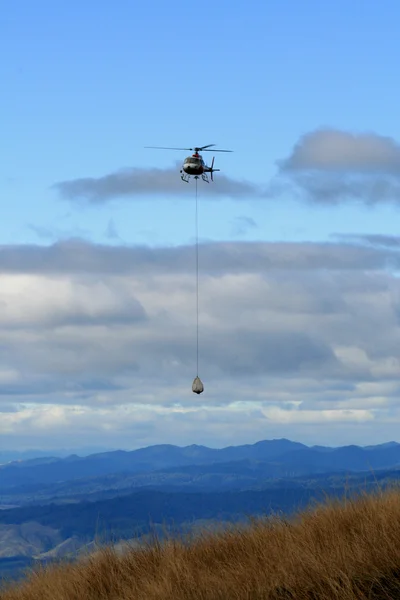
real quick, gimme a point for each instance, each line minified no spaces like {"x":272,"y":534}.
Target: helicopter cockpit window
{"x":192,"y":160}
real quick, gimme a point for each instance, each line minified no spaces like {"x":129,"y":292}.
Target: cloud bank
{"x":99,"y":342}
{"x":76,"y":256}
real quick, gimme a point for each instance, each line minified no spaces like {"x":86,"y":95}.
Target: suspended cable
{"x":197,"y":386}
{"x":197,"y":284}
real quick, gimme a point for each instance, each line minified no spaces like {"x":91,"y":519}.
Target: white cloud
{"x":332,"y":149}
{"x":90,"y":353}
{"x":40,"y":301}
{"x":135,"y":182}
{"x":278,"y":415}
{"x":330,"y":166}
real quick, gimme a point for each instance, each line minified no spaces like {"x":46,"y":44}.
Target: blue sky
{"x":86,"y":86}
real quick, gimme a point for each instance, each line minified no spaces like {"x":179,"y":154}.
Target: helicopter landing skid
{"x":185,"y":177}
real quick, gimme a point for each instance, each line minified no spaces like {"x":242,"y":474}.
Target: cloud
{"x":39,"y":301}
{"x":330,"y":166}
{"x":55,"y":233}
{"x":111,"y":231}
{"x":135,"y":182}
{"x":330,"y":149}
{"x":76,"y":256}
{"x":376,"y":239}
{"x":243,"y":224}
{"x":99,"y":341}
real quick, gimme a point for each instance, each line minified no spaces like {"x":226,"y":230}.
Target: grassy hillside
{"x":39,"y":533}
{"x":341,"y":550}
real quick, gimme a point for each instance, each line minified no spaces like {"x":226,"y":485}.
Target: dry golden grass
{"x":338,"y":550}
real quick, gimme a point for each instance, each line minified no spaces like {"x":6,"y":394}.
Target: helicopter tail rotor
{"x":212,"y":169}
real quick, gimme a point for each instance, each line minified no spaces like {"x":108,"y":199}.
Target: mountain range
{"x":280,"y":458}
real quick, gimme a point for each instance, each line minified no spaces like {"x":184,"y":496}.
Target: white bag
{"x":197,"y":386}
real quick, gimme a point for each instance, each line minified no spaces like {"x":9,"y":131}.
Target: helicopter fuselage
{"x":194,"y":165}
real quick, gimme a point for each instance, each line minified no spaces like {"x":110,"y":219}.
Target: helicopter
{"x":194,"y":165}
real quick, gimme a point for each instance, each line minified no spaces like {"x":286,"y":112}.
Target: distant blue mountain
{"x":280,"y":458}
{"x":7,"y":456}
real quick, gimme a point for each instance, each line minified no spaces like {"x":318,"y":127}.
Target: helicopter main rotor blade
{"x":196,"y":149}
{"x":165,"y":148}
{"x":217,"y":150}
